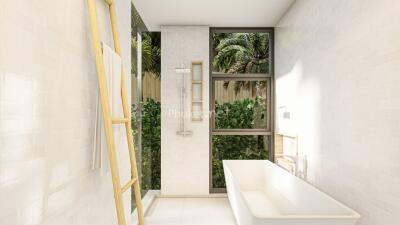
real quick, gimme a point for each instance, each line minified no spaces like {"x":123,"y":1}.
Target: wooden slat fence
{"x":151,"y":85}
{"x":152,"y":88}
{"x":228,"y":94}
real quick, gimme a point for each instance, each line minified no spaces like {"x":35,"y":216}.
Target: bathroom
{"x":320,"y":88}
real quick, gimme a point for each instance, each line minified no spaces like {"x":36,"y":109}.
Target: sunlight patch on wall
{"x":17,"y":97}
{"x":309,"y":124}
{"x":298,"y":111}
{"x":287,"y":99}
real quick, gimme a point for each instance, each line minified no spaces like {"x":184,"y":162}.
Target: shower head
{"x":182,"y":70}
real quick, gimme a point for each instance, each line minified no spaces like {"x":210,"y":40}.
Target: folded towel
{"x":112,"y":67}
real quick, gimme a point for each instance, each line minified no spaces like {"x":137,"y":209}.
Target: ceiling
{"x":214,"y":13}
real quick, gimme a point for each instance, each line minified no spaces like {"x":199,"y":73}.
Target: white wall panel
{"x":48,"y":86}
{"x":337,"y":72}
{"x":184,"y":160}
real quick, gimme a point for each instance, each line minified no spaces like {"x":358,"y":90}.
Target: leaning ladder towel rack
{"x":108,"y":121}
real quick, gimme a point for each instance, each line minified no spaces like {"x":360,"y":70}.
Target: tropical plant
{"x":242,"y":53}
{"x":241,"y":114}
{"x":136,"y":21}
{"x":237,"y":114}
{"x":151,"y":143}
{"x":234,"y":148}
{"x":151,"y":53}
{"x":217,"y":38}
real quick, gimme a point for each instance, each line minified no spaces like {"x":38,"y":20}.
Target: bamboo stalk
{"x":128,"y":185}
{"x":120,"y":120}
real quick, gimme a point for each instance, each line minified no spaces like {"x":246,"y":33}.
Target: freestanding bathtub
{"x":261,"y":193}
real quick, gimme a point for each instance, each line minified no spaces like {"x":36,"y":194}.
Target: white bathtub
{"x":261,"y":193}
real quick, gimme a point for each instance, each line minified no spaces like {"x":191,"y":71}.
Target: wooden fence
{"x":152,"y":88}
{"x":151,"y":85}
{"x":229,"y":94}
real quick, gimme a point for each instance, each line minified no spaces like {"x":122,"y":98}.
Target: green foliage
{"x":235,"y":147}
{"x":239,"y":114}
{"x":151,"y":53}
{"x":151,"y":143}
{"x":136,"y":22}
{"x":244,"y":114}
{"x":217,"y":38}
{"x":242,"y":53}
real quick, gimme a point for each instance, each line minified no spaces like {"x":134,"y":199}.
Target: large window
{"x":241,"y":76}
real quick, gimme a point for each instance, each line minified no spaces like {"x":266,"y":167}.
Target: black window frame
{"x":215,"y":76}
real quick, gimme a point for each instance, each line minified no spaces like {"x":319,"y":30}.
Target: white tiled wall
{"x":184,"y":160}
{"x":338,"y":73}
{"x":48,"y":86}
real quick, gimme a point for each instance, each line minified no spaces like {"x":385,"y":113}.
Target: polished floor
{"x":190,"y":211}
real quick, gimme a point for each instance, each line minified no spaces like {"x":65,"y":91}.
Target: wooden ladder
{"x":108,"y":121}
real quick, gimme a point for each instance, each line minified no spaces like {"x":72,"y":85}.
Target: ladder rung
{"x":120,"y":120}
{"x":109,"y":2}
{"x":128,"y":185}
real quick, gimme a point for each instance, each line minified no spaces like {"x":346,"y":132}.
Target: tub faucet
{"x":301,"y":173}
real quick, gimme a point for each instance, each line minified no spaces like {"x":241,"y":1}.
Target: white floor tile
{"x":190,"y":211}
{"x":166,"y":207}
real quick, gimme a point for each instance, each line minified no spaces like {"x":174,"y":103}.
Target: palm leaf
{"x":241,"y":53}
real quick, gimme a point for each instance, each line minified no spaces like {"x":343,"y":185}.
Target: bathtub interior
{"x":270,"y":191}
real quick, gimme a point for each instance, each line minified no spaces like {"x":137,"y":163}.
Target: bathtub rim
{"x":353,"y":213}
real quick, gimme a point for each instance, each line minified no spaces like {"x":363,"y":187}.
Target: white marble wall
{"x":184,"y":160}
{"x":338,"y":73}
{"x":47,"y":100}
